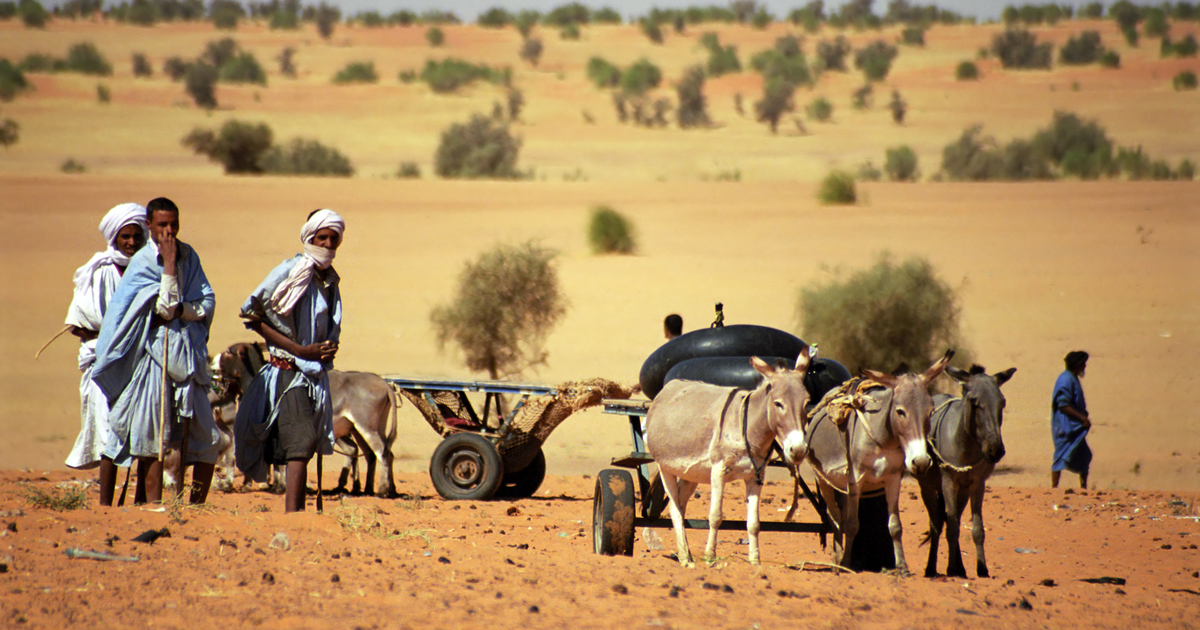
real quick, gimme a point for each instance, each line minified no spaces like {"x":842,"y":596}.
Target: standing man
{"x":124,"y":229}
{"x":286,"y":416}
{"x":1070,"y":422}
{"x":152,"y":361}
{"x":672,"y":326}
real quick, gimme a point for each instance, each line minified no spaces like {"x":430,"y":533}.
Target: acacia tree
{"x":506,"y":304}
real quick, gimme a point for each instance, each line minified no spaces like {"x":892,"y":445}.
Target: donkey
{"x":879,"y":441}
{"x":965,"y":437}
{"x":700,"y":433}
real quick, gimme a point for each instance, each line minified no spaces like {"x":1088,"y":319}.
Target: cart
{"x":496,"y":453}
{"x":615,"y":508}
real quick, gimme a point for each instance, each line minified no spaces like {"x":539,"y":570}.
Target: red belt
{"x":282,"y":363}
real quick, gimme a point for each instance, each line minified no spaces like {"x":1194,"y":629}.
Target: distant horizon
{"x":468,"y":10}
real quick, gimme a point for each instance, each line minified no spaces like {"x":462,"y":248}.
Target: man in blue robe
{"x":160,"y":313}
{"x":1070,"y":422}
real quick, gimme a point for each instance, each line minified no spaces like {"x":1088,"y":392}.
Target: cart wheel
{"x":656,"y":498}
{"x":523,"y":483}
{"x":612,"y":513}
{"x":466,"y":466}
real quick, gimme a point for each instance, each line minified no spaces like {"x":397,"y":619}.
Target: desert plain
{"x":727,"y":214}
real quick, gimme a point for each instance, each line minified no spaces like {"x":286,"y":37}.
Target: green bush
{"x":200,"y":81}
{"x":287,"y":65}
{"x":408,"y":170}
{"x":435,"y":37}
{"x":481,"y":147}
{"x":103,"y":94}
{"x":784,"y":62}
{"x":722,"y":60}
{"x":568,"y":14}
{"x":531,"y":50}
{"x":450,"y":74}
{"x":525,"y":22}
{"x":861,"y":98}
{"x":1154,"y":22}
{"x":641,"y":77}
{"x":913,"y":36}
{"x":868,"y":172}
{"x":820,"y":109}
{"x":831,"y":55}
{"x":1186,"y":170}
{"x":175,"y":68}
{"x":243,"y":68}
{"x":762,"y":19}
{"x":603,"y":73}
{"x":609,"y":232}
{"x":570,"y":32}
{"x":1185,"y":80}
{"x":327,"y":16}
{"x":85,"y":58}
{"x":238,"y":146}
{"x":875,"y":60}
{"x":141,"y":66}
{"x":305,"y":157}
{"x":898,"y":107}
{"x":218,"y":53}
{"x":880,"y":318}
{"x":1068,"y":132}
{"x":370,"y":19}
{"x":1110,"y":59}
{"x":33,"y":14}
{"x":284,"y":20}
{"x":41,"y":62}
{"x":838,"y":188}
{"x":1080,"y":50}
{"x":357,"y":72}
{"x":506,"y":303}
{"x":693,"y":107}
{"x":495,"y":17}
{"x":1185,"y":47}
{"x":777,"y":100}
{"x":652,"y":31}
{"x":10,"y":132}
{"x":12,"y":81}
{"x":902,"y":164}
{"x":1019,"y":49}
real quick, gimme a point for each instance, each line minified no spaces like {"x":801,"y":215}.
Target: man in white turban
{"x":286,"y":416}
{"x":152,"y":362}
{"x":124,"y":229}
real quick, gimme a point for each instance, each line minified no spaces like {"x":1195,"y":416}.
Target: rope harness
{"x":933,"y":443}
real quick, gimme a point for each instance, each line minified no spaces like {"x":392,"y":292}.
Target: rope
{"x":942,"y":463}
{"x":759,"y":472}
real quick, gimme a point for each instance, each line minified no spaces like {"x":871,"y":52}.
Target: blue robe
{"x":1071,"y":450}
{"x":316,"y":317}
{"x":129,"y":354}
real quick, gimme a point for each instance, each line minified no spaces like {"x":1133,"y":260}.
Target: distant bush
{"x":327,"y":16}
{"x":8,"y":10}
{"x":435,"y":37}
{"x":875,"y":60}
{"x":200,"y":81}
{"x":1185,"y":80}
{"x":868,"y":172}
{"x":12,"y":81}
{"x":831,"y":55}
{"x":888,"y":315}
{"x":721,"y":59}
{"x":603,"y":73}
{"x":606,"y":15}
{"x":1069,"y":133}
{"x":243,"y":68}
{"x":820,"y":109}
{"x":495,"y":17}
{"x":531,"y":50}
{"x":141,"y":66}
{"x":237,"y":145}
{"x":784,"y":62}
{"x":481,"y":147}
{"x":902,"y":164}
{"x":609,"y":232}
{"x":1186,"y":170}
{"x":103,"y":94}
{"x":85,"y":58}
{"x":175,"y":68}
{"x":408,"y":170}
{"x":1018,"y":49}
{"x":33,"y":14}
{"x":305,"y":157}
{"x":861,"y":98}
{"x":838,"y":188}
{"x":898,"y":107}
{"x":776,"y":101}
{"x":1110,"y":59}
{"x":652,"y":31}
{"x":913,"y":36}
{"x":370,"y":19}
{"x":437,"y":16}
{"x":1091,"y":11}
{"x":762,"y":19}
{"x":1154,"y":22}
{"x":1082,"y":49}
{"x":408,"y":76}
{"x":693,"y":107}
{"x":220,"y":52}
{"x":641,"y":77}
{"x":10,"y":132}
{"x":525,"y":21}
{"x":287,"y":65}
{"x":1185,"y":47}
{"x":357,"y":72}
{"x":450,"y":74}
{"x":966,"y":71}
{"x":41,"y":62}
{"x":284,"y":20}
{"x":570,"y":32}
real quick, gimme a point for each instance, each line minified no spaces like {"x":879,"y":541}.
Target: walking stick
{"x":60,"y":333}
{"x":320,"y":466}
{"x":162,"y":420}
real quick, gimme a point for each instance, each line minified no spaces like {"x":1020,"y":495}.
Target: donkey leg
{"x":956,"y":502}
{"x":935,"y":507}
{"x":753,"y":490}
{"x":895,"y":526}
{"x":835,"y":517}
{"x":850,"y":522}
{"x":717,"y":482}
{"x":672,"y":487}
{"x":981,"y":569}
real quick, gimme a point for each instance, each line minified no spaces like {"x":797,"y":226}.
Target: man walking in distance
{"x":124,"y":229}
{"x":152,"y":361}
{"x":286,"y":415}
{"x":1070,"y":422}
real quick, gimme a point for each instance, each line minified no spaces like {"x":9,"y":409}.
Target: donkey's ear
{"x":959,"y":375}
{"x":1002,"y":377}
{"x":803,"y":361}
{"x":761,"y":366}
{"x":936,"y":369}
{"x":879,"y":377}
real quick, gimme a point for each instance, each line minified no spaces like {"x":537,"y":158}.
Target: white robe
{"x":87,"y":311}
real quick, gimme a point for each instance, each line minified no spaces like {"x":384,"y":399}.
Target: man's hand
{"x":169,"y":248}
{"x":324,"y":351}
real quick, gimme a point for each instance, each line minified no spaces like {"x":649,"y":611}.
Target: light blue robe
{"x":317,"y":317}
{"x":1071,"y":451}
{"x":129,"y":354}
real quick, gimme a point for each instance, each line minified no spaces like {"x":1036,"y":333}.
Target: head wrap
{"x":117,"y":218}
{"x":1076,"y":359}
{"x":289,"y":292}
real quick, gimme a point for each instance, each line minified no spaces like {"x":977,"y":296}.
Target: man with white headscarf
{"x":152,"y":362}
{"x":286,"y":416}
{"x":124,"y":229}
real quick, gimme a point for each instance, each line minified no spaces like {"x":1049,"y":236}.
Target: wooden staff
{"x":162,"y":420}
{"x":60,"y":333}
{"x":320,"y":465}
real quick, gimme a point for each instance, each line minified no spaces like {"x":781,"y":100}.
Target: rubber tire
{"x":823,"y":375}
{"x":741,"y":340}
{"x":466,"y":467}
{"x":523,"y":483}
{"x":656,"y":500}
{"x":613,"y":513}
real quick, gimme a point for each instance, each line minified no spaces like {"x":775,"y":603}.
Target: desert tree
{"x":531,"y":50}
{"x":609,"y":232}
{"x":200,"y":81}
{"x":506,"y":303}
{"x":238,"y":145}
{"x":287,"y":62}
{"x":776,"y":101}
{"x":10,"y":132}
{"x":327,"y":16}
{"x":141,"y":66}
{"x":481,"y":147}
{"x":693,"y":107}
{"x":898,"y":107}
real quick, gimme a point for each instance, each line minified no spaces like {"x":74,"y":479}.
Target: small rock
{"x":513,"y":511}
{"x":444,"y":560}
{"x":1196,"y":574}
{"x":1048,"y":582}
{"x":12,"y":527}
{"x":335,"y":578}
{"x":259,"y":551}
{"x":620,"y":589}
{"x":725,"y":588}
{"x":267,"y":578}
{"x":1120,"y":591}
{"x":674,"y":592}
{"x":1165,"y":546}
{"x":533,"y":609}
{"x":71,"y":529}
{"x":336,"y":556}
{"x":1024,"y":604}
{"x":708,"y":586}
{"x":280,"y":542}
{"x":6,"y":563}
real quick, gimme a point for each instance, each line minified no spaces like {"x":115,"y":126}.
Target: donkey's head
{"x":235,"y":368}
{"x":983,"y":407}
{"x":912,"y":405}
{"x":786,"y":401}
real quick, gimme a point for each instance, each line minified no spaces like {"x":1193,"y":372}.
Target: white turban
{"x":117,"y":218}
{"x":284,"y":299}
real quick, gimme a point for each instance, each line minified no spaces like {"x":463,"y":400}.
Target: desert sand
{"x":1041,"y":269}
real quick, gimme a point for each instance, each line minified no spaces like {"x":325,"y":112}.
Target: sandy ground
{"x":1041,"y":269}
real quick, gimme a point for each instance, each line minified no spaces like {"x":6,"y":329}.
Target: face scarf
{"x":289,"y":292}
{"x":117,"y":218}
